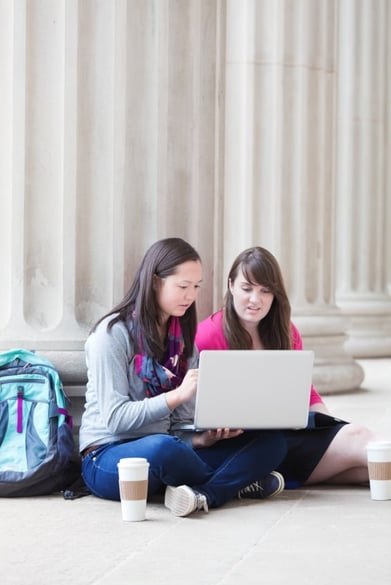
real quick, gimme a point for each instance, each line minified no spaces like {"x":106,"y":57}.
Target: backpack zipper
{"x":19,"y":379}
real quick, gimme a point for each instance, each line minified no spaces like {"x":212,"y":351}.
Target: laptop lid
{"x":253,"y":389}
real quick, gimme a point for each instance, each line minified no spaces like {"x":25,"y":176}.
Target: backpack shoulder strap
{"x":25,"y":355}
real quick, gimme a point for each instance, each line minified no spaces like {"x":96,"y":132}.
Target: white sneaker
{"x":183,"y":501}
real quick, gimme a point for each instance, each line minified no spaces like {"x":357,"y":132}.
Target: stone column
{"x":123,"y":122}
{"x":363,"y":175}
{"x":49,"y":245}
{"x":279,"y":162}
{"x":107,"y":144}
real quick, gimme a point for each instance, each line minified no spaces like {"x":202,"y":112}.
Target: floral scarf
{"x":162,"y":377}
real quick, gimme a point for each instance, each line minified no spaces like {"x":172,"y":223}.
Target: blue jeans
{"x":219,"y":471}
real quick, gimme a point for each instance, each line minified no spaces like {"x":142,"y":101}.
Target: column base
{"x":334,"y":370}
{"x":331,"y":378}
{"x":369,"y":331}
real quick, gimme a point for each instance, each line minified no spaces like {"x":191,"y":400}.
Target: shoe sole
{"x":280,"y":487}
{"x":179,"y":500}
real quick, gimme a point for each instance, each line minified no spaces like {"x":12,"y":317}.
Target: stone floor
{"x":318,"y":536}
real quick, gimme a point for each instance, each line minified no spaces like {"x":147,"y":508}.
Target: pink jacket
{"x":210,"y":335}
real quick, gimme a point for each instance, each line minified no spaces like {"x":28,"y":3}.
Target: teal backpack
{"x":36,"y":440}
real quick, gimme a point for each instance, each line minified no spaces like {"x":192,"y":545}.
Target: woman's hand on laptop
{"x":209,"y":438}
{"x":185,"y":391}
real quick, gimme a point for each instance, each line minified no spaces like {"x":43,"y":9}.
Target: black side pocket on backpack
{"x":4,"y":417}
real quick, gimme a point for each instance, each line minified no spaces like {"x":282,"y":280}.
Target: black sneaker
{"x":271,"y":485}
{"x":182,"y":500}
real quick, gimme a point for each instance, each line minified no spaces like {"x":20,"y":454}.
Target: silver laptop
{"x":253,"y":389}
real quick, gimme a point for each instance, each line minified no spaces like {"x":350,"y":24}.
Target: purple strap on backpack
{"x":67,"y":416}
{"x":19,"y":420}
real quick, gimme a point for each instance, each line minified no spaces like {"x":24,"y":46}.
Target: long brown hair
{"x":259,"y":267}
{"x":139,"y":305}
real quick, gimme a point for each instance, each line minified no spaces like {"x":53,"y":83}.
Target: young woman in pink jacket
{"x":257,"y":315}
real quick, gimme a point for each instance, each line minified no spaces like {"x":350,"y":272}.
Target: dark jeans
{"x":219,"y":471}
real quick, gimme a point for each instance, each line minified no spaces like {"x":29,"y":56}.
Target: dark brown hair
{"x":259,"y":267}
{"x":140,"y":307}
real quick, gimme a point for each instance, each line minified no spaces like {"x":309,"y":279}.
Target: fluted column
{"x":108,"y":144}
{"x":48,"y":208}
{"x":363,"y":175}
{"x":279,"y":162}
{"x":124,"y":122}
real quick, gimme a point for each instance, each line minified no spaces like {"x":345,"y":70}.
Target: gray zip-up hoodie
{"x":116,"y":406}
